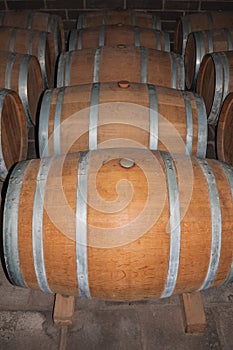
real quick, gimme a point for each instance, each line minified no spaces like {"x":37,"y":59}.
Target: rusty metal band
{"x":9,"y":67}
{"x":158,"y":39}
{"x":50,"y":26}
{"x":60,"y":70}
{"x":228,"y":33}
{"x":186,"y":29}
{"x":37,"y":225}
{"x":96,"y":71}
{"x":174,"y":223}
{"x":30,"y":42}
{"x":228,"y":171}
{"x":57,"y":121}
{"x":29,"y":20}
{"x":101,"y":35}
{"x":12,"y":40}
{"x":210,"y":41}
{"x":173,"y":70}
{"x":93,"y":116}
{"x":218,"y":94}
{"x":200,"y":52}
{"x":3,"y":168}
{"x":54,"y":30}
{"x":10,"y":225}
{"x":210,"y":20}
{"x":73,"y":35}
{"x":23,"y":87}
{"x":44,"y":123}
{"x":137,"y":36}
{"x":41,"y":57}
{"x":216,"y":219}
{"x":226,"y":74}
{"x":68,"y":58}
{"x":80,"y":40}
{"x":105,"y":17}
{"x":189,"y":123}
{"x":81,"y":21}
{"x":143,"y":60}
{"x":132,"y":18}
{"x":156,"y":23}
{"x":202,"y":127}
{"x":167,"y":44}
{"x":81,"y":226}
{"x":154,"y":117}
{"x":181,"y":72}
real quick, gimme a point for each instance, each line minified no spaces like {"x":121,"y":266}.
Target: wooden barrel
{"x":22,"y":73}
{"x":215,"y":81}
{"x":117,"y":34}
{"x":129,"y":17}
{"x":201,"y":43}
{"x":119,"y":224}
{"x":43,"y":21}
{"x":13,"y":131}
{"x":225,"y":131}
{"x":108,"y":115}
{"x":199,"y":21}
{"x":121,"y":62}
{"x":33,"y":42}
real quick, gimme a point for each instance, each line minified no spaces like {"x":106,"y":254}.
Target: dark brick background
{"x":168,"y":10}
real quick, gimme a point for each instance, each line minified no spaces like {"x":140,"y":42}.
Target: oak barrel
{"x":13,"y":131}
{"x":118,"y":34}
{"x":22,"y":73}
{"x":130,"y":17}
{"x":225,"y":131}
{"x":215,"y":81}
{"x":33,"y":42}
{"x":106,"y":115}
{"x":199,"y":21}
{"x":201,"y":43}
{"x":121,"y":62}
{"x":43,"y":21}
{"x":119,"y":224}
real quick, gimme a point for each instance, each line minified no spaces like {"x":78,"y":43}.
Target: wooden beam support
{"x":195,"y":319}
{"x":63,"y":310}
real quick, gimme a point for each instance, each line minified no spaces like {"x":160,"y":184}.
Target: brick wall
{"x":168,"y":10}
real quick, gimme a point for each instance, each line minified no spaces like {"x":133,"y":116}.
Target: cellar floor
{"x":26,"y":323}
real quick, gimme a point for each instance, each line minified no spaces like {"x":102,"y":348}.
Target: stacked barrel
{"x":206,"y":41}
{"x":122,"y":204}
{"x":29,"y":45}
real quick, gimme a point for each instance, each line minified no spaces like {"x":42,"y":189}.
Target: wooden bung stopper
{"x":124,"y":84}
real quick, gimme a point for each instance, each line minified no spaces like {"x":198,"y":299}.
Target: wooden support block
{"x":63,"y":338}
{"x":63,"y":310}
{"x":195,"y":320}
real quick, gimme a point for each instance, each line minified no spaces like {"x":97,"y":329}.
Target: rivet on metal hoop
{"x":127,"y":163}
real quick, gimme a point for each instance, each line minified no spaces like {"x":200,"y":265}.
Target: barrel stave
{"x":116,"y":35}
{"x":129,"y":251}
{"x":128,"y":17}
{"x":136,"y":64}
{"x":124,"y":118}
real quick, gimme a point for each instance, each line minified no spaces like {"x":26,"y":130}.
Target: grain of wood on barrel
{"x":129,"y":17}
{"x":86,"y":224}
{"x":121,"y":62}
{"x":106,"y":115}
{"x":107,"y":35}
